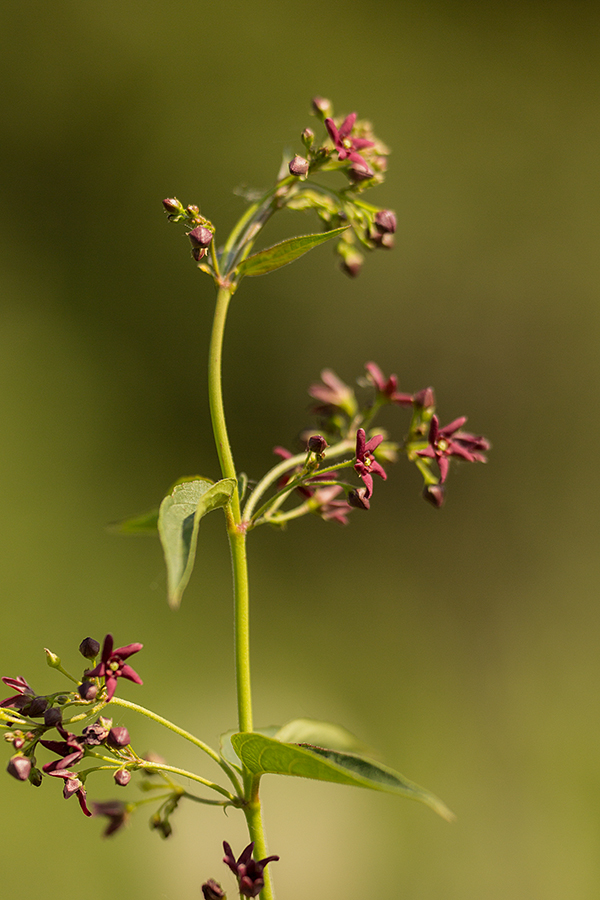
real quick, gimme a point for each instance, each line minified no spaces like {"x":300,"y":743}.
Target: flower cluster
{"x":345,"y":423}
{"x":26,"y":734}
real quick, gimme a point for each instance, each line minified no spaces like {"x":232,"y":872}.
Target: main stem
{"x":237,"y":543}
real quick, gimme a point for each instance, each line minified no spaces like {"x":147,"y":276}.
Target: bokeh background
{"x":463,"y":644}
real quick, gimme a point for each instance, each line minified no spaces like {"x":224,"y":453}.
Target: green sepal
{"x":261,"y":754}
{"x":286,"y":252}
{"x":178,"y":523}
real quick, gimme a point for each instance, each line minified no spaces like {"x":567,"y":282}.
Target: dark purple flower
{"x":22,"y":698}
{"x":115,"y":811}
{"x":112,"y":665}
{"x":248,"y":871}
{"x":387,"y":387}
{"x":451,"y":441}
{"x":73,"y":785}
{"x":366,"y":465}
{"x":346,"y":146}
{"x":334,"y":393}
{"x":330,"y":509}
{"x":70,"y":749}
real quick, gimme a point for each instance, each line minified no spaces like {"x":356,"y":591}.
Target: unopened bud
{"x":386,"y":220}
{"x":308,"y":137}
{"x":52,"y":717}
{"x":19,"y":767}
{"x":212,"y":890}
{"x":117,"y":737}
{"x":434,"y":494}
{"x":35,"y":777}
{"x":89,"y":648}
{"x":359,"y":172}
{"x":317,"y":444}
{"x":87,"y":690}
{"x":122,"y":777}
{"x":351,"y":264}
{"x":52,"y":659}
{"x":37,"y":707}
{"x":200,"y":237}
{"x":322,"y":107}
{"x":299,"y":166}
{"x":173,"y":206}
{"x":358,"y":499}
{"x":425,"y":398}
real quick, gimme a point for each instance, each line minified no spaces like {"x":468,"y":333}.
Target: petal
{"x":373,"y":443}
{"x":111,"y":686}
{"x":434,"y":429}
{"x":360,"y":444}
{"x":377,"y":375}
{"x":128,"y":672}
{"x":376,"y":469}
{"x":453,"y":426}
{"x":361,"y":143}
{"x":333,"y":132}
{"x":444,"y":465}
{"x":107,"y":648}
{"x":128,"y":650}
{"x":347,"y":125}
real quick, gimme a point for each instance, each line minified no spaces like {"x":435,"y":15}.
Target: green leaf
{"x":261,"y":754}
{"x":178,"y":523}
{"x":284,"y":253}
{"x":226,"y":747}
{"x":145,"y":523}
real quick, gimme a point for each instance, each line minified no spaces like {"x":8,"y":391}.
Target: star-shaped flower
{"x":22,"y":698}
{"x":387,"y":387}
{"x":451,"y":441}
{"x":366,"y":465}
{"x":248,"y":871}
{"x":346,"y":146}
{"x":112,"y":665}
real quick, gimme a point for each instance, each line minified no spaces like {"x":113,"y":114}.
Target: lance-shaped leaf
{"x":286,"y":252}
{"x":178,"y":523}
{"x":145,"y":523}
{"x":261,"y":754}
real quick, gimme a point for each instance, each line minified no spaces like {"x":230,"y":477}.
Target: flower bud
{"x":89,"y":647}
{"x":122,"y":777}
{"x":308,"y":137}
{"x":359,"y":172}
{"x":87,"y":690}
{"x":118,"y":738}
{"x":36,"y":708}
{"x":212,"y":890}
{"x":19,"y":767}
{"x":317,"y":444}
{"x":52,"y":717}
{"x":386,"y":220}
{"x":200,"y":237}
{"x":299,"y":166}
{"x":52,"y":659}
{"x":35,"y":777}
{"x":192,"y":212}
{"x":173,"y":207}
{"x":425,"y":398}
{"x":322,"y":107}
{"x":358,"y":499}
{"x":434,"y":494}
{"x":351,"y":264}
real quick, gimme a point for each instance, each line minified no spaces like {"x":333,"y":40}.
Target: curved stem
{"x":127,"y":704}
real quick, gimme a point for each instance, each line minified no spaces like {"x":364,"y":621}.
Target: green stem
{"x":127,"y":704}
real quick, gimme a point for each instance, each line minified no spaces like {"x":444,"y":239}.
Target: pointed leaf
{"x":262,"y":754}
{"x":145,"y":523}
{"x":284,"y":253}
{"x":178,"y":523}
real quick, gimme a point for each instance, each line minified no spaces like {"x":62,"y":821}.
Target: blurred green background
{"x":463,"y":644}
